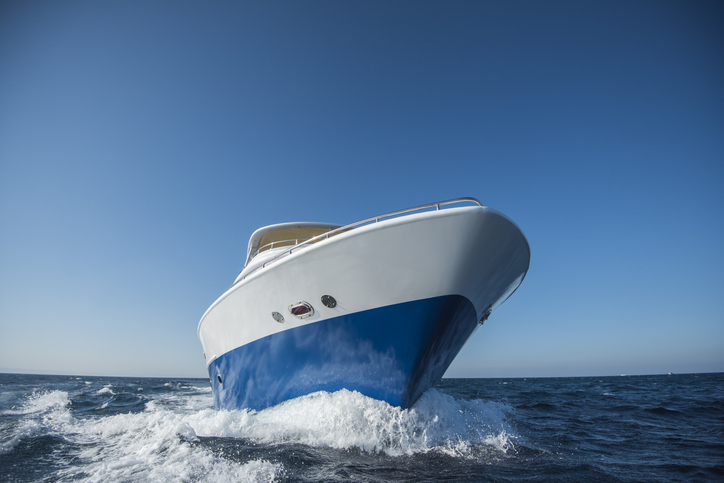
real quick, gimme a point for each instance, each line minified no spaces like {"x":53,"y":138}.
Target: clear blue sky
{"x":142,"y":142}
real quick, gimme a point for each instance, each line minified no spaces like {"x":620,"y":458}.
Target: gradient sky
{"x":141,"y":143}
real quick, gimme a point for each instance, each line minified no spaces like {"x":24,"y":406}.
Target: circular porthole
{"x":329,"y":301}
{"x":218,"y":378}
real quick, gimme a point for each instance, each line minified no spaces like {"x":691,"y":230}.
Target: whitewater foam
{"x":346,"y":419}
{"x":51,"y":429}
{"x":44,"y":412}
{"x":155,"y":445}
{"x":165,"y":441}
{"x":106,"y":390}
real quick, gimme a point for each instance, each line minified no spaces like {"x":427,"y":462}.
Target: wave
{"x":176,"y":436}
{"x":42,"y":413}
{"x":347,"y":419}
{"x":106,"y":390}
{"x":151,"y":445}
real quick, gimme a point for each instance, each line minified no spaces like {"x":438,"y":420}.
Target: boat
{"x":381,"y":306}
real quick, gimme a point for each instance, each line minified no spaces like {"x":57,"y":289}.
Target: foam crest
{"x":154,"y":445}
{"x":167,"y":441}
{"x":41,"y":402}
{"x":346,"y":419}
{"x":43,"y":413}
{"x":159,"y":446}
{"x":106,"y":390}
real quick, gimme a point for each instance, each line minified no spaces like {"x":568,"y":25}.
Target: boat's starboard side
{"x":380,"y":275}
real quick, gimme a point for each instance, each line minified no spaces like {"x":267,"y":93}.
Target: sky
{"x":141,"y":143}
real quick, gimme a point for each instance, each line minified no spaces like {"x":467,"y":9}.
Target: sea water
{"x":634,"y":428}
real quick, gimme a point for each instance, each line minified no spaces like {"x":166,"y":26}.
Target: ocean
{"x":107,"y":429}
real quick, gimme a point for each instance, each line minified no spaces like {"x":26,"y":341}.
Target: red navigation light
{"x":301,"y":309}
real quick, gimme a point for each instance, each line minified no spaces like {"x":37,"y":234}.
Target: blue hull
{"x":392,"y":353}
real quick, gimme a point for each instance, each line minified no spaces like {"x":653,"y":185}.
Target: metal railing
{"x":374,"y":219}
{"x":280,"y":243}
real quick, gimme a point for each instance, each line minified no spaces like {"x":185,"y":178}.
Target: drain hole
{"x":218,"y":378}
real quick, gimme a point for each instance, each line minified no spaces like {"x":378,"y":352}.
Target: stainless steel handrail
{"x":271,"y":245}
{"x":374,"y":219}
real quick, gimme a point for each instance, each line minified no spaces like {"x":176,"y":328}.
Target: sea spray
{"x":153,"y":445}
{"x":43,"y":412}
{"x":654,"y":428}
{"x":347,"y":419}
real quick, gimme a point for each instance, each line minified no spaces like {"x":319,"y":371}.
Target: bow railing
{"x":375,"y":219}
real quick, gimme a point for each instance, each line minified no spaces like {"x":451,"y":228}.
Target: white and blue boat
{"x":381,"y":306}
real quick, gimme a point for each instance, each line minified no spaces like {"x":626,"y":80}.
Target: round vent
{"x":329,"y":301}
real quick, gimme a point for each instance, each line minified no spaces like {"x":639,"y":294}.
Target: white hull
{"x":472,"y":251}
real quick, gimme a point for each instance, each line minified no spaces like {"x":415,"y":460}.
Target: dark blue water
{"x":634,"y":428}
